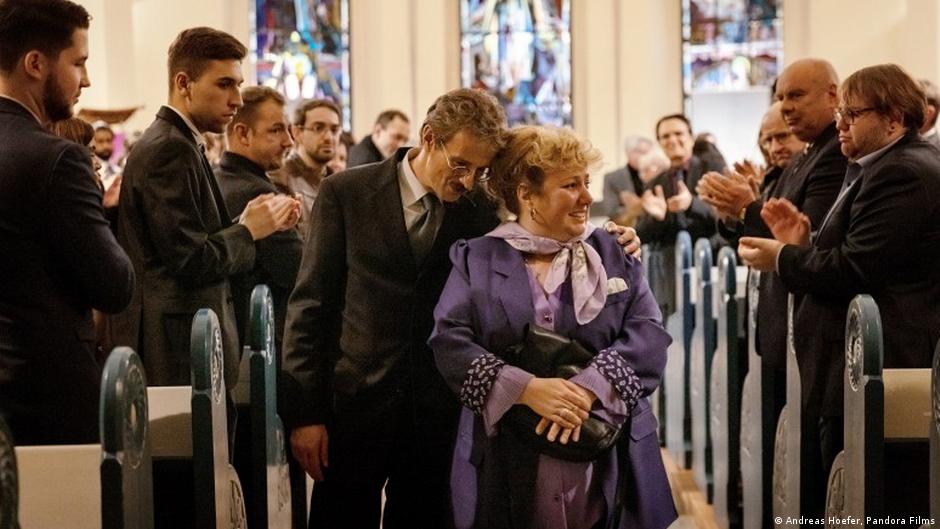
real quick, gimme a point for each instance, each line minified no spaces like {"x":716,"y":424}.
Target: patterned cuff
{"x":480,"y":379}
{"x":621,"y":376}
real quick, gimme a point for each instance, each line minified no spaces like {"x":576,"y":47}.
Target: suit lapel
{"x":388,"y":217}
{"x":174,"y":119}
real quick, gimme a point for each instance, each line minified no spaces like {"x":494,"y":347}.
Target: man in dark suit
{"x":367,"y":403}
{"x":671,"y":206}
{"x":60,"y":258}
{"x":391,"y":131}
{"x":881,"y":237}
{"x":258,"y":137}
{"x":172,"y":219}
{"x":807,"y":98}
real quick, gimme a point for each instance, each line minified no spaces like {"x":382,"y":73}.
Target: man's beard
{"x":104,"y":155}
{"x":58,"y":106}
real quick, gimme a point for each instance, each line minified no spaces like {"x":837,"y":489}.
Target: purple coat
{"x":485,"y":306}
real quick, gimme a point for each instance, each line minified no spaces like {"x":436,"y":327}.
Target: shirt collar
{"x":412,"y":191}
{"x":200,"y":141}
{"x":20,"y":103}
{"x":872,"y":157}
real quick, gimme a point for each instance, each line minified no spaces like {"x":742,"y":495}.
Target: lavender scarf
{"x":588,"y":276}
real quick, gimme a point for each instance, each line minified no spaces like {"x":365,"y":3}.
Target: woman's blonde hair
{"x":532,"y":152}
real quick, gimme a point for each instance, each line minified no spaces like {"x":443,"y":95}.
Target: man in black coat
{"x":881,"y":237}
{"x":60,"y":258}
{"x":172,"y":219}
{"x":672,"y":207}
{"x":258,"y":137}
{"x":391,"y":131}
{"x":807,"y":98}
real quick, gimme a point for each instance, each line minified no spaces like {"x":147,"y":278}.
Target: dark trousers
{"x":385,"y":443}
{"x":823,"y":440}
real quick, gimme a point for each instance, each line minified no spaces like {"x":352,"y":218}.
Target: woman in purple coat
{"x":551,"y":268}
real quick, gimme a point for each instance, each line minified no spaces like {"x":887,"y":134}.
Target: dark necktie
{"x":424,"y":230}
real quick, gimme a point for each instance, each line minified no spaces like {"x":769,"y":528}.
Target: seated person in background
{"x":671,"y":206}
{"x":622,"y":188}
{"x":391,"y":131}
{"x":553,"y":269}
{"x":341,"y":156}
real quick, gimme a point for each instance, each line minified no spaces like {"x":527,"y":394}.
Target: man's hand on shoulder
{"x":626,"y":237}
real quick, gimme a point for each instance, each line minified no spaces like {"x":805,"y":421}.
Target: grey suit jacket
{"x":173,"y":222}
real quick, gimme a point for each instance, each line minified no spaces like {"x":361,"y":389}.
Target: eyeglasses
{"x":849,"y":115}
{"x":462,"y":171}
{"x":318,"y":127}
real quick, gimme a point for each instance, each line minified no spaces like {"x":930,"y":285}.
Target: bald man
{"x":807,"y":95}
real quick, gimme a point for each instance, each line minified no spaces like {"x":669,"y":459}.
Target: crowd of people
{"x":416,"y":288}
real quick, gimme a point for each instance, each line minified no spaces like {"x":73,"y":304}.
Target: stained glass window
{"x":730,"y":45}
{"x":301,"y":48}
{"x":520,"y":51}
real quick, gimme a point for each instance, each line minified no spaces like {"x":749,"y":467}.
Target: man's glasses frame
{"x":849,"y":115}
{"x":462,"y":171}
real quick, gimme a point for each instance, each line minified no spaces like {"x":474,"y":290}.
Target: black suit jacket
{"x":363,"y":152}
{"x":277,"y":257}
{"x":362,"y":311}
{"x":173,"y":223}
{"x":881,"y":238}
{"x":698,"y":220}
{"x":811,"y":182}
{"x":60,"y":260}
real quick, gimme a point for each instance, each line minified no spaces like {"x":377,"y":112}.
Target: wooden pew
{"x":219,"y":502}
{"x":788,"y":443}
{"x":727,"y":373}
{"x":757,"y":427}
{"x":703,"y":347}
{"x":680,"y":325}
{"x":271,"y":494}
{"x":658,"y":398}
{"x":882,"y":474}
{"x":105,"y":485}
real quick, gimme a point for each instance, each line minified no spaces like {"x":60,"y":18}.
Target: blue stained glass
{"x":519,"y":51}
{"x":301,"y":48}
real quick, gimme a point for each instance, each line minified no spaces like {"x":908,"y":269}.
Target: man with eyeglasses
{"x":391,"y":131}
{"x":880,"y":237}
{"x":365,"y":404}
{"x":316,"y":132}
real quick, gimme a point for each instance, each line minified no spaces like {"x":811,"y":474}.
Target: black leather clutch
{"x":546,"y":354}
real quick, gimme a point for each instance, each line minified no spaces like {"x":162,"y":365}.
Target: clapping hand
{"x":654,"y":202}
{"x":787,"y":223}
{"x":681,"y":201}
{"x":727,"y":194}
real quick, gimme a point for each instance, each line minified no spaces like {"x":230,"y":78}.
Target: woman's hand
{"x":557,"y":400}
{"x":557,"y":432}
